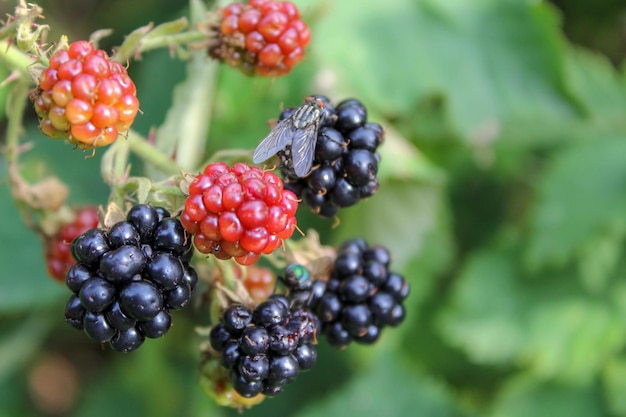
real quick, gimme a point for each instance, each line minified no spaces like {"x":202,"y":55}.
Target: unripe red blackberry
{"x":346,"y":159}
{"x":262,"y":37}
{"x":85,"y":97}
{"x":57,"y":248}
{"x":259,"y":281}
{"x":240,"y":212}
{"x":127,"y":278}
{"x":362,"y":295}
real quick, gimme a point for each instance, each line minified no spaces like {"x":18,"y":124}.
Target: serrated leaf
{"x":484,"y":317}
{"x":401,"y":215}
{"x":527,"y":397}
{"x":386,"y":389}
{"x":548,"y":325}
{"x":580,"y":196}
{"x":614,"y":383}
{"x":601,"y":93}
{"x":402,"y":160}
{"x":492,"y":60}
{"x":601,"y":89}
{"x":599,"y":256}
{"x":571,"y":338}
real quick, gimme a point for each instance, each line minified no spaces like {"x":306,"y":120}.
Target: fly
{"x":299,"y":280}
{"x":297,"y":135}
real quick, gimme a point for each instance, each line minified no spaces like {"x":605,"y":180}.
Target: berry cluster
{"x":239,"y":212}
{"x":57,"y":248}
{"x":361,"y":296}
{"x":265,"y":349}
{"x":127,"y":279}
{"x":346,"y":161}
{"x":263,"y":37}
{"x":85,"y":97}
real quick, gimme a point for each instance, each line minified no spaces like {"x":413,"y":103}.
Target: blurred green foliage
{"x":503,"y":199}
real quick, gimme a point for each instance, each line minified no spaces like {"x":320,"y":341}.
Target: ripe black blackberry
{"x":362,"y":295}
{"x":346,"y":161}
{"x":128,"y":278}
{"x":265,"y":349}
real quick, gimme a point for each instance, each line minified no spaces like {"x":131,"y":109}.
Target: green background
{"x":502,"y":198}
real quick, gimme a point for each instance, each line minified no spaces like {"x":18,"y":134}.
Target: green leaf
{"x":400,"y":159}
{"x":580,"y":197}
{"x":527,"y":397}
{"x":614,"y":382}
{"x":571,"y":338}
{"x":492,"y":60}
{"x":402,"y":215}
{"x":601,"y":93}
{"x":485,"y":315}
{"x":601,"y":89}
{"x":547,"y":325}
{"x":386,"y":389}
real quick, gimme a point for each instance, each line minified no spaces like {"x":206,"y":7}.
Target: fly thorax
{"x":305,"y":115}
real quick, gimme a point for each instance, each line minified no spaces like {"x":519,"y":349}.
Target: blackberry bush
{"x":128,"y":276}
{"x":240,"y":212}
{"x":127,"y":279}
{"x":85,"y":97}
{"x":262,"y":37}
{"x":346,"y":159}
{"x":361,"y":297}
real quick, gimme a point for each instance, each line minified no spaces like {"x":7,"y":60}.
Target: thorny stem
{"x":15,"y":113}
{"x":15,"y":59}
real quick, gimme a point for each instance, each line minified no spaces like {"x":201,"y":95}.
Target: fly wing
{"x":303,"y":149}
{"x":279,"y":137}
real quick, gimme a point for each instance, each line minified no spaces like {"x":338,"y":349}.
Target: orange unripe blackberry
{"x":85,"y":97}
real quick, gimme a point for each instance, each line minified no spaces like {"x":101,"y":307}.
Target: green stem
{"x":15,"y":114}
{"x":16,"y":107}
{"x":15,"y":59}
{"x":140,"y":147}
{"x":171,"y":40}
